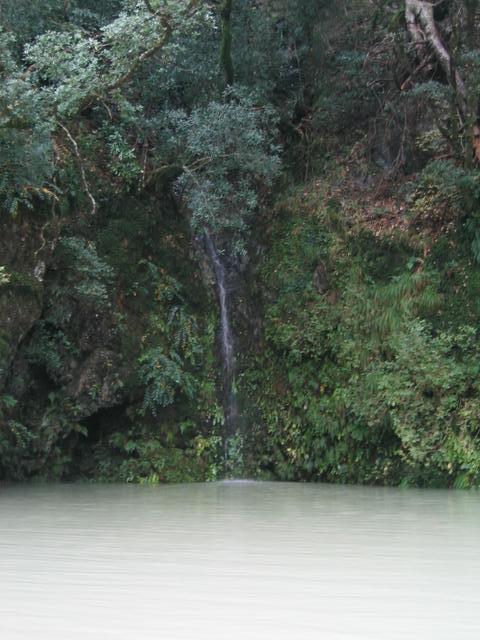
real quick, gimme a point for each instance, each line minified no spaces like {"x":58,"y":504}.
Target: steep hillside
{"x":245,"y":242}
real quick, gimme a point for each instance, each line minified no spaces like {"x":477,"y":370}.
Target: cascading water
{"x":226,"y":336}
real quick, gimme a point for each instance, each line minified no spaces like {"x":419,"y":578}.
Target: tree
{"x":428,"y":42}
{"x":437,"y":47}
{"x":26,"y":156}
{"x":68,"y":73}
{"x":229,"y":155}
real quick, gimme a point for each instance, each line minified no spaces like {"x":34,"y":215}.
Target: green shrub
{"x":354,"y":384}
{"x":444,"y":193}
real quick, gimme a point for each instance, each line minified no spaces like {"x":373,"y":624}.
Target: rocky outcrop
{"x":97,"y":383}
{"x":24,"y":253}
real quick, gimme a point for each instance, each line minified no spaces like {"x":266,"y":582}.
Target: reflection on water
{"x":238,"y":560}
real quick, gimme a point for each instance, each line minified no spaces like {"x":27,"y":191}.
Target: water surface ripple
{"x":238,"y":560}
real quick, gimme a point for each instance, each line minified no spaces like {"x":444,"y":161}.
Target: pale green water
{"x":238,"y":560}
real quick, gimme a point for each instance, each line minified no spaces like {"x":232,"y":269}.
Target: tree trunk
{"x":426,"y":38}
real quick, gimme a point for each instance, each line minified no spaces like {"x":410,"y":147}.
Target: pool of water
{"x":238,"y":560}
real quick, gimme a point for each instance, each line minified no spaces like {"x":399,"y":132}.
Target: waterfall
{"x":226,"y":336}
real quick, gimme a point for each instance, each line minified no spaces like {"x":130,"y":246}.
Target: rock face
{"x":67,"y":363}
{"x":96,"y":383}
{"x":60,"y":354}
{"x":24,"y":253}
{"x":79,"y":307}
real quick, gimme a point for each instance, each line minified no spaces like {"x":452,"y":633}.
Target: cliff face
{"x":25,"y":253}
{"x":78,"y":313}
{"x":354,"y":317}
{"x":353,"y":312}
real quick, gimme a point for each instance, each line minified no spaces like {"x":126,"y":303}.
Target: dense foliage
{"x":362,"y":379}
{"x":329,"y":151}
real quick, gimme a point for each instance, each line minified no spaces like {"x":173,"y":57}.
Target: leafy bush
{"x":138,"y":456}
{"x":16,"y":442}
{"x":444,"y":193}
{"x":163,"y":376}
{"x":26,"y":154}
{"x":430,"y":395}
{"x":42,"y":450}
{"x":355,"y":385}
{"x":86,"y":273}
{"x":229,"y":156}
{"x":49,"y":348}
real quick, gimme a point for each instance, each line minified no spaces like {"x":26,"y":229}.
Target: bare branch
{"x":82,"y":169}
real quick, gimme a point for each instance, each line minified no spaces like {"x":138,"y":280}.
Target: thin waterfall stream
{"x":227,"y":342}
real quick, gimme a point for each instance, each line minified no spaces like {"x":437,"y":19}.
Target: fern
{"x":163,"y":376}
